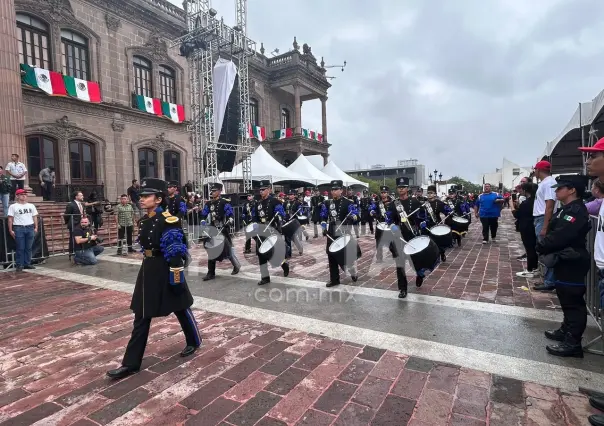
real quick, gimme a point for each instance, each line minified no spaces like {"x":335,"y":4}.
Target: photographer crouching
{"x":564,"y":249}
{"x":86,"y":243}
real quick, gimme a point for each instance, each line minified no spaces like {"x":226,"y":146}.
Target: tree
{"x":374,"y":185}
{"x":466,"y":184}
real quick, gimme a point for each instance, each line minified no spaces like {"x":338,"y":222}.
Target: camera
{"x":98,"y":240}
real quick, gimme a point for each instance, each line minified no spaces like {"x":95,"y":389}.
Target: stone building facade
{"x":124,"y":45}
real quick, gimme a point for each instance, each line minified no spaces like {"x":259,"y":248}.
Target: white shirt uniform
{"x":22,"y":214}
{"x":545,"y":192}
{"x":17,"y":168}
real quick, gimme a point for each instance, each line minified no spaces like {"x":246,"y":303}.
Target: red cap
{"x":20,"y":192}
{"x":598,"y":147}
{"x":543,"y":165}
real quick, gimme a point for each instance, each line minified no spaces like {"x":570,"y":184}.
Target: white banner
{"x":225,"y":73}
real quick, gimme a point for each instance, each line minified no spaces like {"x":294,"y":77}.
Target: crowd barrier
{"x":592,"y":294}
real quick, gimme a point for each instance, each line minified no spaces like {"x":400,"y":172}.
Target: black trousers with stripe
{"x":140,"y":334}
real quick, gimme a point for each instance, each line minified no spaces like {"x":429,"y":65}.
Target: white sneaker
{"x":527,"y":274}
{"x":484,"y":241}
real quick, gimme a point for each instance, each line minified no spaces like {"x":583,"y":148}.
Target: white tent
{"x":316,"y":160}
{"x":305,"y":168}
{"x":265,"y":167}
{"x":334,"y":171}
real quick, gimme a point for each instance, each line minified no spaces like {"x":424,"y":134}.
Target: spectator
{"x":543,"y":211}
{"x":5,"y":190}
{"x":86,"y":244}
{"x":17,"y":172}
{"x":526,"y":227}
{"x":133,"y":193}
{"x":22,"y":226}
{"x":125,"y":224}
{"x":95,"y":210}
{"x":488,"y":209}
{"x":47,"y":182}
{"x":597,"y":192}
{"x":187,"y":188}
{"x":74,"y":212}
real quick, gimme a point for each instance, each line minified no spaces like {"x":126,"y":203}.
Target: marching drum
{"x":271,"y":251}
{"x":303,"y":220}
{"x":423,"y":252}
{"x":442,"y":236}
{"x":214,"y":246}
{"x":290,"y":228}
{"x":383,"y":233}
{"x":251,"y":231}
{"x":345,"y":250}
{"x":460,"y":224}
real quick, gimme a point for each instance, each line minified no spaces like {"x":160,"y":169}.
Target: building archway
{"x":42,"y":152}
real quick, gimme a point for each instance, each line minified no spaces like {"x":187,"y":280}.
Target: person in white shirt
{"x":543,"y":211}
{"x":22,"y":226}
{"x":17,"y":172}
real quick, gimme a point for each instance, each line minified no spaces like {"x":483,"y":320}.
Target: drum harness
{"x":403,"y":214}
{"x":339,"y":226}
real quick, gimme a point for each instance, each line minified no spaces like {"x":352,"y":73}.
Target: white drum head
{"x":302,"y":218}
{"x":440,"y":230}
{"x":460,"y":220}
{"x":216,"y":241}
{"x":416,"y":245}
{"x":383,"y":226}
{"x":268,"y":244}
{"x":339,"y":243}
{"x":250,"y":227}
{"x":288,"y":223}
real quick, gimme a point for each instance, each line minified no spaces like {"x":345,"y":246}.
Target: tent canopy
{"x":304,"y":167}
{"x":336,"y":173}
{"x":266,"y":167}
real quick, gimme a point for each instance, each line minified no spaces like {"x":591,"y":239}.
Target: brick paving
{"x":475,"y":272}
{"x":58,"y":338}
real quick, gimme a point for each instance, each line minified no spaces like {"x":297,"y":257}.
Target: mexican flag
{"x":174,"y":112}
{"x":88,"y":91}
{"x":257,"y":132}
{"x":283,"y":133}
{"x":306,"y":133}
{"x":48,"y":81}
{"x":150,"y":105}
{"x":316,"y":136}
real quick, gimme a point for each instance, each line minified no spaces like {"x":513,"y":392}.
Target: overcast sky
{"x":456,"y":84}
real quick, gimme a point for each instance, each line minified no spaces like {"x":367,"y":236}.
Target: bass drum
{"x":442,"y":235}
{"x":290,"y":228}
{"x":272,"y":250}
{"x":423,"y":252}
{"x":303,"y":220}
{"x":345,"y":250}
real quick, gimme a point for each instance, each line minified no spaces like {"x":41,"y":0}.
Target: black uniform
{"x":316,"y":201}
{"x":431,"y":216}
{"x":293,"y":208}
{"x":177,"y":206}
{"x":366,"y":218}
{"x":248,"y":215}
{"x":270,"y":210}
{"x":564,"y":248}
{"x":379,"y":210}
{"x":336,"y":224}
{"x":218,"y":213}
{"x":454,"y":205}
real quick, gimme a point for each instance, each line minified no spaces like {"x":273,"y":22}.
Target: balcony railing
{"x":290,"y":133}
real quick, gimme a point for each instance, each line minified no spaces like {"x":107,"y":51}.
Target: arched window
{"x":34,"y":48}
{"x":285,"y":119}
{"x":167,"y":84}
{"x":254,"y":112}
{"x":41,"y":153}
{"x":147,"y":163}
{"x":172,"y":166}
{"x":82,"y":160}
{"x":74,"y":53}
{"x":143,"y":81}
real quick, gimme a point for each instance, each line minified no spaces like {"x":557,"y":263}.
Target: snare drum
{"x":460,"y":225}
{"x":215,"y":246}
{"x":442,"y":235}
{"x":383,"y":233}
{"x":272,"y":250}
{"x":303,"y":220}
{"x":345,"y":250}
{"x":290,"y":228}
{"x":423,"y":252}
{"x":251,"y":231}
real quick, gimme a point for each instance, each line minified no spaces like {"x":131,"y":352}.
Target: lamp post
{"x":434,"y":179}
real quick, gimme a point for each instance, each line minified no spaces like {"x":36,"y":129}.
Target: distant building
{"x":508,"y":175}
{"x":407,"y":168}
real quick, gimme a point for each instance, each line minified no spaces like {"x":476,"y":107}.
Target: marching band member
{"x":454,"y":206}
{"x":338,"y":214}
{"x":433,"y":209}
{"x":304,"y":211}
{"x":248,"y":215}
{"x":218,"y":212}
{"x":176,"y":204}
{"x":270,"y":211}
{"x":379,"y":211}
{"x":292,"y":209}
{"x":315,"y":210}
{"x":366,"y":218}
{"x":356,"y":200}
{"x":402,"y":215}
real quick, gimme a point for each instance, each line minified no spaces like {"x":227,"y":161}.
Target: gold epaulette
{"x":166,"y":214}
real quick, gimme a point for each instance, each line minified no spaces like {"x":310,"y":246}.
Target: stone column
{"x":324,"y":117}
{"x":298,"y":104}
{"x":12,"y":135}
{"x":325,"y":159}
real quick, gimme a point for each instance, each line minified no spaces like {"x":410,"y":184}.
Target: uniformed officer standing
{"x":270,"y":212}
{"x":218,"y":213}
{"x":380,"y":211}
{"x":248,"y":215}
{"x":338,"y":215}
{"x":160,"y":286}
{"x":176,"y":204}
{"x":403,"y":218}
{"x":564,"y":250}
{"x":316,"y":202}
{"x":366,"y":218}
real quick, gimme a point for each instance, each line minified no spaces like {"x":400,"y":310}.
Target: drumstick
{"x":445,"y":218}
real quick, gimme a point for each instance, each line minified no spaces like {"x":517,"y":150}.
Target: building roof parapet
{"x":167,"y":7}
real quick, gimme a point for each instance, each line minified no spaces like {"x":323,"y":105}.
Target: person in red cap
{"x":595,"y":168}
{"x":543,"y":211}
{"x":22,"y":226}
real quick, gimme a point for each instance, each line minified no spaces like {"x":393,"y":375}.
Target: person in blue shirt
{"x":488,"y":209}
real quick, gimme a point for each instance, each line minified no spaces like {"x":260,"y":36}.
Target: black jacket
{"x":524,"y":216}
{"x":72,"y":215}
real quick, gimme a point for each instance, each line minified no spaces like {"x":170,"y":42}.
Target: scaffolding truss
{"x":210,"y":38}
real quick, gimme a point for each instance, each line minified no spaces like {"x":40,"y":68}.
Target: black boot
{"x":597,"y":402}
{"x":285,"y":268}
{"x":188,"y":350}
{"x":332,"y":283}
{"x":443,"y":257}
{"x":596,"y":420}
{"x":419,"y":281}
{"x":402,"y":294}
{"x":571,"y":347}
{"x":264,"y":281}
{"x":120,"y":373}
{"x":209,"y":276}
{"x":557,"y":335}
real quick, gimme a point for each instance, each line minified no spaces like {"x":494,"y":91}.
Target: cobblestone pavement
{"x":474,"y":272}
{"x":58,"y":338}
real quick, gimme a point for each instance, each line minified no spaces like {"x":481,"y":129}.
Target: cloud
{"x":457,"y":85}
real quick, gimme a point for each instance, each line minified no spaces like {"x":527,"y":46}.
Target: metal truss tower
{"x":206,"y":39}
